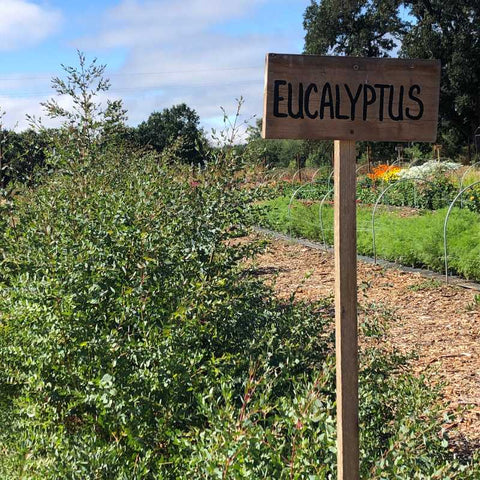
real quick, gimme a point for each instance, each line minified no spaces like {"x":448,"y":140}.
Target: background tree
{"x":284,"y":153}
{"x":449,"y":31}
{"x":176,"y":127}
{"x":364,"y":28}
{"x":20,"y":154}
{"x":23,"y":154}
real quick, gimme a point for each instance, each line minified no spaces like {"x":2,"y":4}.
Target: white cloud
{"x":21,"y":94}
{"x":184,"y":52}
{"x":24,"y":23}
{"x":210,"y":74}
{"x":136,"y":23}
{"x":35,"y":83}
{"x":15,"y":109}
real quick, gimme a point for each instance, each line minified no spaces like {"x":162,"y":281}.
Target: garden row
{"x":411,"y":238}
{"x":429,"y":186}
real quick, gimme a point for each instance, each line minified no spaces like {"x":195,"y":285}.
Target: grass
{"x":415,"y":241}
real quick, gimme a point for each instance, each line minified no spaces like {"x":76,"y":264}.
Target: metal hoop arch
{"x":295,"y":174}
{"x":278,"y":175}
{"x":395,"y":162}
{"x":320,"y":218}
{"x":425,"y":160}
{"x":358,"y":168}
{"x":445,"y":225}
{"x":402,"y":180}
{"x":329,"y":181}
{"x":294,"y":194}
{"x":315,"y":174}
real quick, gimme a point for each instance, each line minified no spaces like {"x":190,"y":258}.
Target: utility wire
{"x":6,"y":76}
{"x":141,"y":90}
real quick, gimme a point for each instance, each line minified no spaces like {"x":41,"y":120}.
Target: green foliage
{"x":380,"y":152}
{"x":411,"y":240}
{"x":449,"y":31}
{"x":285,"y":153}
{"x":312,"y":191}
{"x":22,"y":154}
{"x":365,"y":28}
{"x":274,"y":153}
{"x":134,"y":278}
{"x":425,"y":285}
{"x":274,"y":437}
{"x":418,"y":151}
{"x":437,"y":194}
{"x":430,"y":195}
{"x":134,"y":343}
{"x":471,"y":198}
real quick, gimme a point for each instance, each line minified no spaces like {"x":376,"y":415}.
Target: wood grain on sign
{"x":347,"y":98}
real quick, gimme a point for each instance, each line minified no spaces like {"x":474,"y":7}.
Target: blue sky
{"x":158,"y":53}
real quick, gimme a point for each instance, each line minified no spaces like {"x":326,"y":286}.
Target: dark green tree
{"x":176,"y":127}
{"x":20,"y":154}
{"x":441,"y":29}
{"x":282,"y":153}
{"x":365,"y":28}
{"x":450,"y":31}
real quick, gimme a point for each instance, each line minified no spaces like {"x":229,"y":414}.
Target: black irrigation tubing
{"x":453,"y":280}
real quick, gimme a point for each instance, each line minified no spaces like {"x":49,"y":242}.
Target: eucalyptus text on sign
{"x":345,"y":98}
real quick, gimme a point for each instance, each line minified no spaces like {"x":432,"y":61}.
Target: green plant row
{"x":135,"y":344}
{"x":430,"y":194}
{"x":412,"y":240}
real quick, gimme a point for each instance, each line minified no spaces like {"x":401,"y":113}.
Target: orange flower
{"x":384,"y":172}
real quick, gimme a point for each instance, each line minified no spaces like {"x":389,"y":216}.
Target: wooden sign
{"x":349,"y":99}
{"x":346,"y":98}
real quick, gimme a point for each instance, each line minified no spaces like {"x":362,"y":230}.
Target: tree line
{"x":449,"y":31}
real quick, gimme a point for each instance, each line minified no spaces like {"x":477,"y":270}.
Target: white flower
{"x":428,"y":169}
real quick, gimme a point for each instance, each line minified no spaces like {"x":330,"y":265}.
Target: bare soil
{"x":439,"y":323}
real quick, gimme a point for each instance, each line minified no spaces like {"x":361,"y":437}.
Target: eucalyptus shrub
{"x":122,"y":302}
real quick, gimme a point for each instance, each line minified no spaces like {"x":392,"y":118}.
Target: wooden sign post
{"x":346,"y":343}
{"x":348,"y":99}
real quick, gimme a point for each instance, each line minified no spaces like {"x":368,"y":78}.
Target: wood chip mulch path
{"x":439,"y":323}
